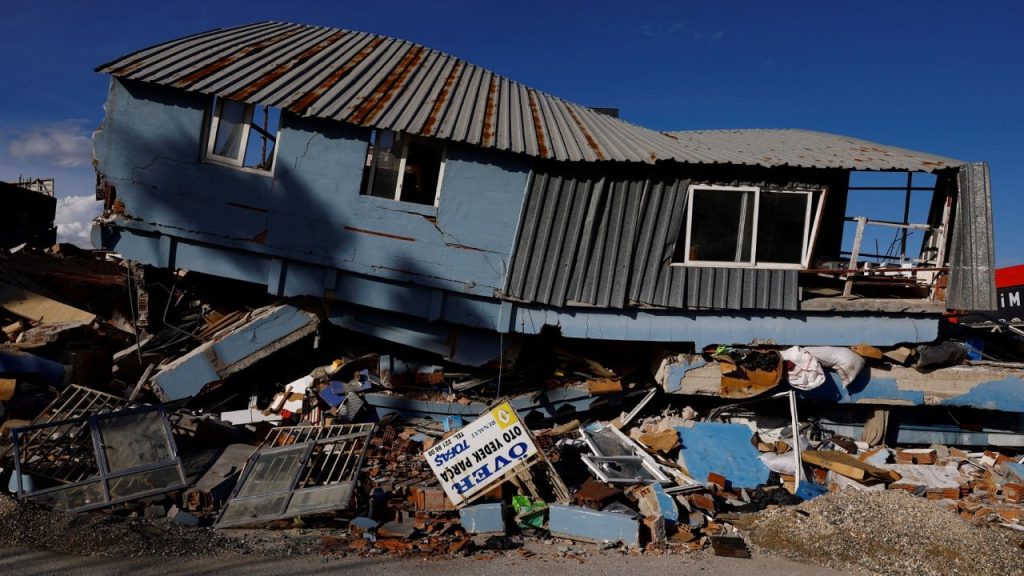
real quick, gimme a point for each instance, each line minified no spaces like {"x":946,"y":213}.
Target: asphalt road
{"x":32,"y":562}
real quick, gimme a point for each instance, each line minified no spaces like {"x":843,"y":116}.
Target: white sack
{"x":844,"y":361}
{"x":806,"y":373}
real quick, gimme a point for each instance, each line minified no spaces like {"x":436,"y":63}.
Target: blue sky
{"x":932,"y":76}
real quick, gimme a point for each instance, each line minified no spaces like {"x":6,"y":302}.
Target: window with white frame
{"x":403,"y":167}
{"x":243,"y":135}
{"x":747,"y":226}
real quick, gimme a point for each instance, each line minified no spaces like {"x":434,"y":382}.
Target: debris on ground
{"x":887,"y":532}
{"x":200,"y":417}
{"x":96,"y":534}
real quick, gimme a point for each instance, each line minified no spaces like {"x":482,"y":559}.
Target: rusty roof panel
{"x":503,"y":137}
{"x":163,"y":53}
{"x":801,"y":148}
{"x":239,"y":63}
{"x":317,"y":45}
{"x":361,"y":85}
{"x":323,"y":75}
{"x":373,"y":80}
{"x":260,"y":58}
{"x":428,"y":127}
{"x":169,"y":66}
{"x":407,"y":104}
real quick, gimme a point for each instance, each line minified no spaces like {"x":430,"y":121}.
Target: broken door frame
{"x":74,"y":402}
{"x":306,"y":439}
{"x":104,"y":475}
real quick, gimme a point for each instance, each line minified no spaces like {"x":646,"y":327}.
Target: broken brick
{"x":916,"y":456}
{"x":1013,"y":492}
{"x":718,"y":480}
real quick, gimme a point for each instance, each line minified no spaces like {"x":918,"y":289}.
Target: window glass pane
{"x":781,"y":218}
{"x":334,"y":496}
{"x":273,"y":472}
{"x":134,"y":440}
{"x":259,"y":149}
{"x":422,"y":166}
{"x":242,"y":511}
{"x":722,"y":225}
{"x":127,"y":487}
{"x":72,"y":497}
{"x":228,"y":142}
{"x":382,"y":161}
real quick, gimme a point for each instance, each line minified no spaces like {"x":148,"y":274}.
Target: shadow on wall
{"x":267,"y":228}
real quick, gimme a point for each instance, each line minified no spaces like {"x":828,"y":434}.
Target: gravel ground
{"x":889,"y":532}
{"x":97,"y":534}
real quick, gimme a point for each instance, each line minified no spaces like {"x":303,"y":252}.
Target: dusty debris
{"x":888,"y":532}
{"x":342,"y":446}
{"x":98,"y":534}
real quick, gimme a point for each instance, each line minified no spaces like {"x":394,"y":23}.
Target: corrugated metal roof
{"x":372,"y":80}
{"x":608,"y":242}
{"x":801,"y":148}
{"x":972,"y":258}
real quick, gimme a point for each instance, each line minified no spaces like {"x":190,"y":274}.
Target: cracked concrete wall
{"x":301,"y":230}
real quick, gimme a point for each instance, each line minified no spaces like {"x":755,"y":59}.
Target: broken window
{"x":403,"y":167}
{"x":98,"y":460}
{"x":243,"y":135}
{"x":73,"y":404}
{"x":747,"y":226}
{"x":895,"y":234}
{"x":618,"y":459}
{"x":299,"y":470}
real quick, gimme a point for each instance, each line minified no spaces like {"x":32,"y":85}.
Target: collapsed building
{"x":427,"y":197}
{"x":436,"y":204}
{"x":431,"y":208}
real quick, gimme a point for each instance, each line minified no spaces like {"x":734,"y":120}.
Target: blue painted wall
{"x":306,"y":230}
{"x":307,"y":219}
{"x":216,"y":360}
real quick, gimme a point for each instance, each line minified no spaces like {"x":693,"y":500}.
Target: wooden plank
{"x":39,"y":308}
{"x":848,"y":466}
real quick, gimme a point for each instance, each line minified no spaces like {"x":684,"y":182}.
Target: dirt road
{"x":24,"y":561}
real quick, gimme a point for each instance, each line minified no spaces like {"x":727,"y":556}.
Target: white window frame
{"x":811,"y":223}
{"x":406,"y":139}
{"x":239,"y":161}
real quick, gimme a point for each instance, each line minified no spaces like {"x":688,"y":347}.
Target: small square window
{"x":243,"y":135}
{"x":403,"y":167}
{"x":742,"y":226}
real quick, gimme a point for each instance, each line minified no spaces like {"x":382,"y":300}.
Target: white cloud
{"x":74,"y":218}
{"x":64,"y":145}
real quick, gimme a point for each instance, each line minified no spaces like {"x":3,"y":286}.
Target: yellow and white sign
{"x":480,"y":453}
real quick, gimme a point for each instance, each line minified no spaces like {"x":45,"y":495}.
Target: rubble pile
{"x":107,"y":534}
{"x":887,"y":532}
{"x":189,"y":416}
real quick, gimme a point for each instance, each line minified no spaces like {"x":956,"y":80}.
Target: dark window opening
{"x":782,"y":227}
{"x":722,"y":222}
{"x":403,"y":167}
{"x":746,"y":226}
